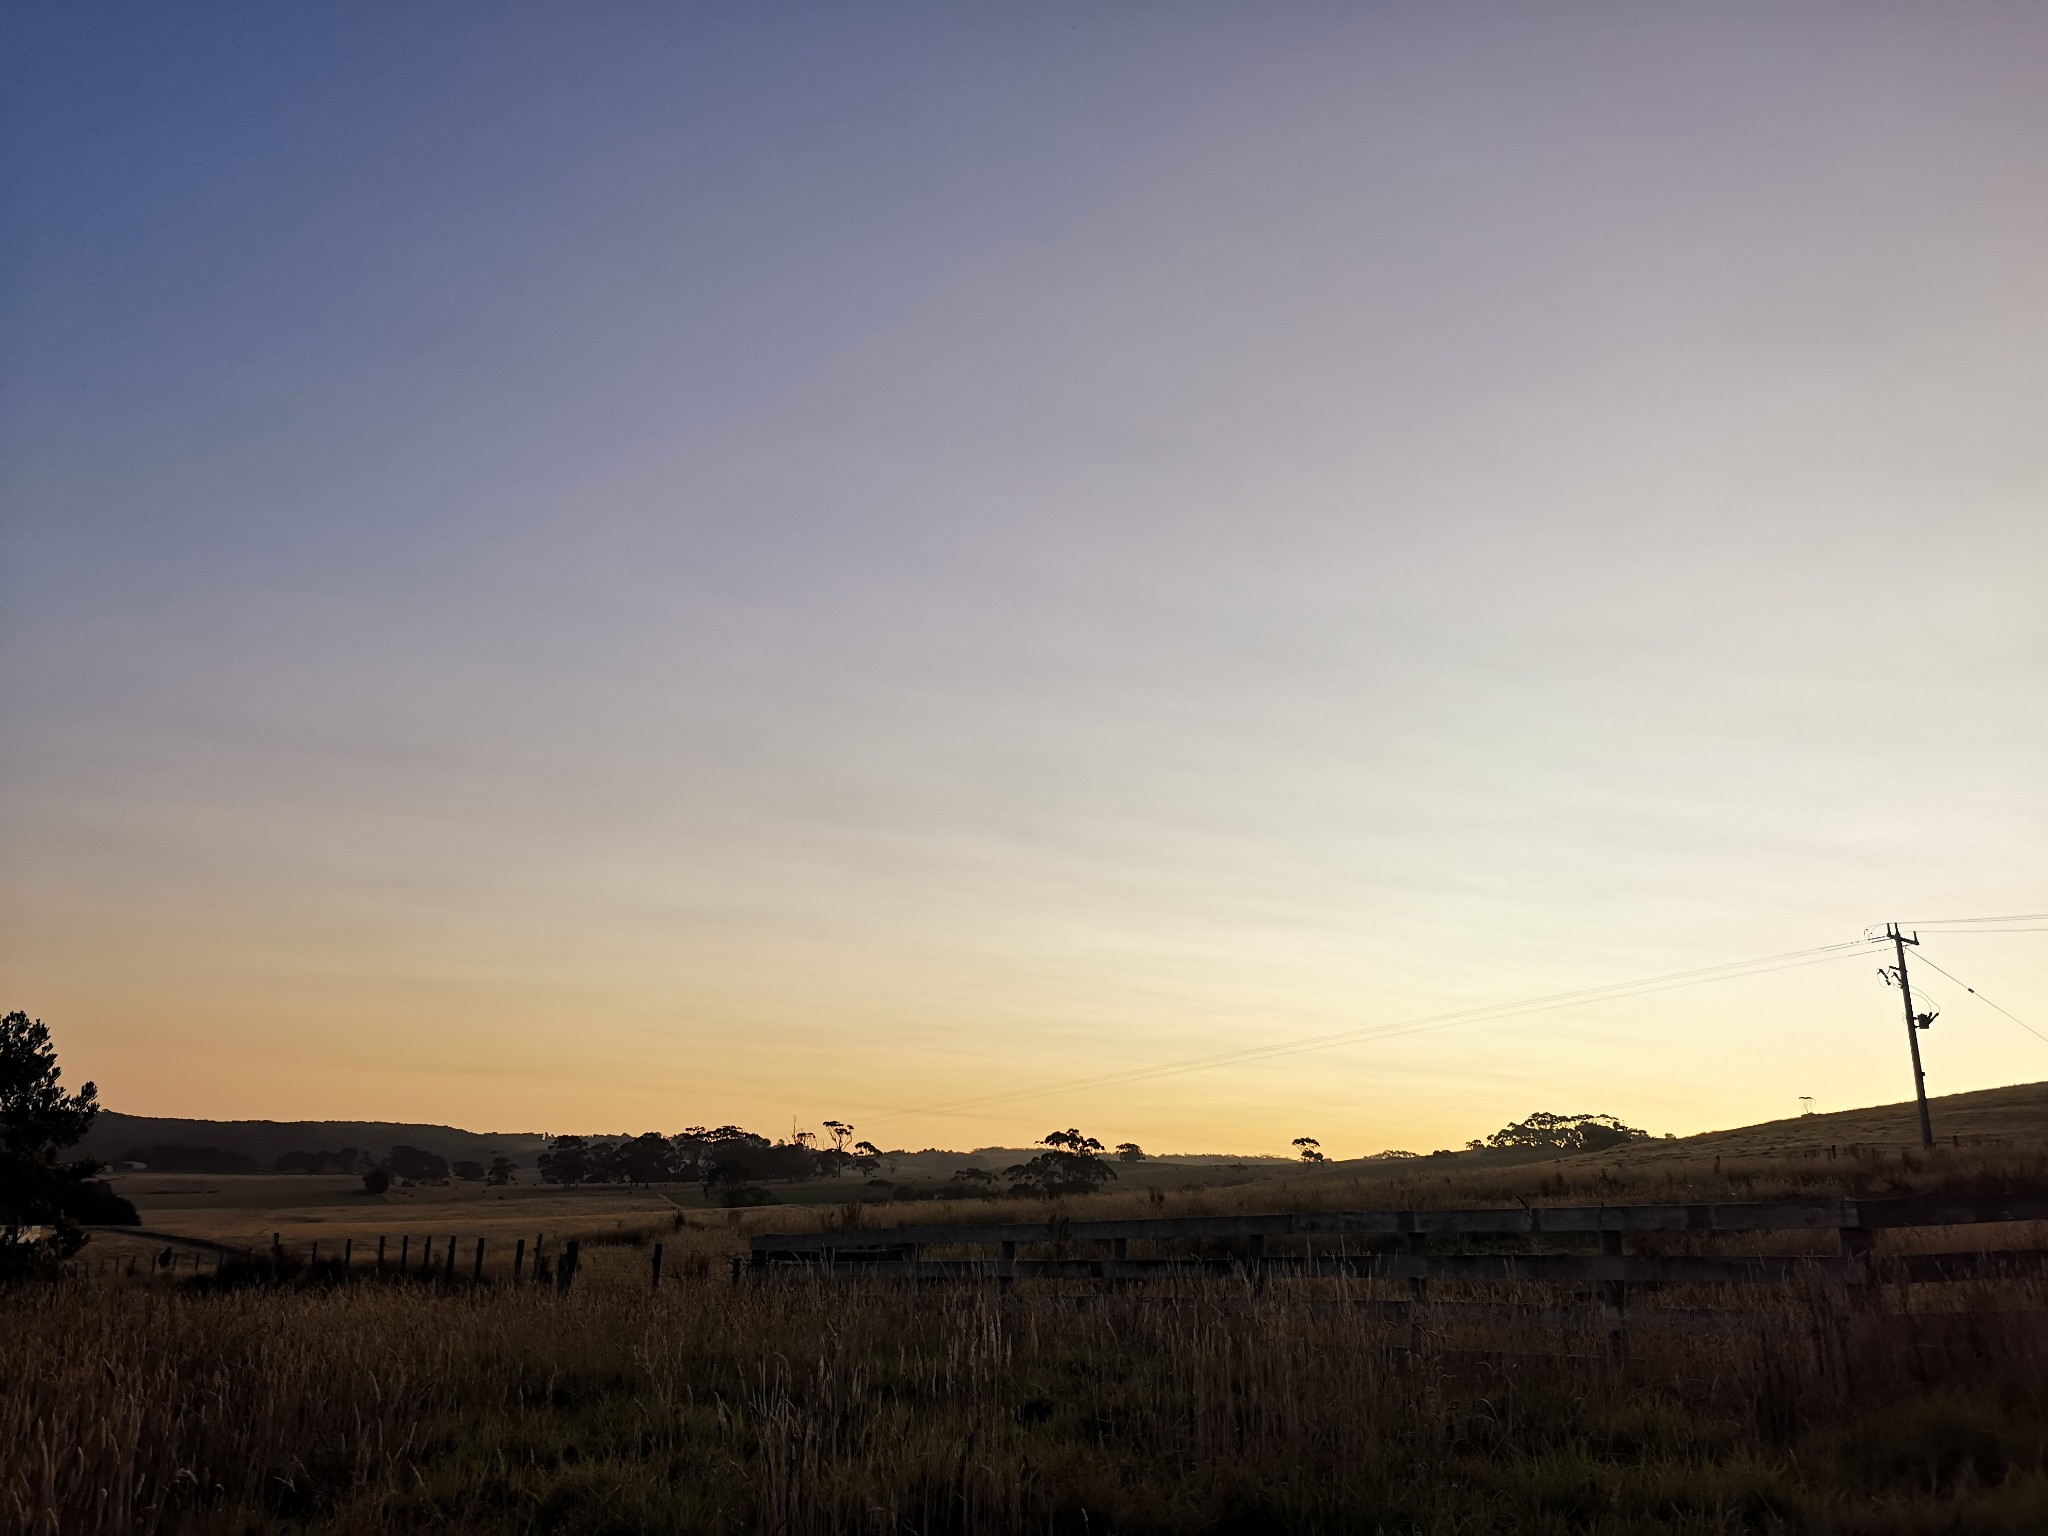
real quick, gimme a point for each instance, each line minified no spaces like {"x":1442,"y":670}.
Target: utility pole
{"x":1914,"y":1024}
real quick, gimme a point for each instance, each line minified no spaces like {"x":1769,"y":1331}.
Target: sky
{"x":606,"y":568}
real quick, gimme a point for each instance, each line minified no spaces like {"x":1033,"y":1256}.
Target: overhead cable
{"x":1613,"y":992}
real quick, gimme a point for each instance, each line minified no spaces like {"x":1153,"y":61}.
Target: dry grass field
{"x":171,"y":1402}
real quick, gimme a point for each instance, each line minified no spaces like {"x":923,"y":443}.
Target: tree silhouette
{"x":1311,"y":1150}
{"x":39,"y":1120}
{"x":1072,"y":1164}
{"x":1564,"y":1133}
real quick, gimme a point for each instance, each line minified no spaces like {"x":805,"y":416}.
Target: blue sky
{"x":581,"y":568}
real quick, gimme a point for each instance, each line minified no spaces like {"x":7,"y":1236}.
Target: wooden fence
{"x":451,"y":1260}
{"x":1414,"y":1245}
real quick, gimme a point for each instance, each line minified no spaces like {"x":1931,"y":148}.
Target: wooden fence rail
{"x":1398,"y":1245}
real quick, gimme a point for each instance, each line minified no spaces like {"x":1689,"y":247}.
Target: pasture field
{"x":791,"y":1402}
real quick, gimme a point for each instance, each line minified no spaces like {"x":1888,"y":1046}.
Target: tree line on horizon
{"x":47,"y":1201}
{"x":734,"y":1164}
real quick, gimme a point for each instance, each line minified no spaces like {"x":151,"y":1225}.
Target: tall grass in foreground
{"x":798,"y":1406}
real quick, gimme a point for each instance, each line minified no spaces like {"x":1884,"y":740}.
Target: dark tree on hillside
{"x":501,"y":1170}
{"x":1071,"y":1164}
{"x":39,"y":1120}
{"x":1310,"y":1149}
{"x":177,"y":1158}
{"x":727,"y":1155}
{"x":377,"y":1180}
{"x":467,"y":1169}
{"x":566,"y":1161}
{"x":1565,"y":1133}
{"x":647,"y":1159}
{"x":1129,"y":1152}
{"x":416,"y":1165}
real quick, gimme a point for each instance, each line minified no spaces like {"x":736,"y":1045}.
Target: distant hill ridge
{"x":114,"y":1135}
{"x":2017,"y":1113}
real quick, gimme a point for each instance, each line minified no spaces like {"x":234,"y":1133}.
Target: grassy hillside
{"x":2018,"y":1114}
{"x":113,"y":1134}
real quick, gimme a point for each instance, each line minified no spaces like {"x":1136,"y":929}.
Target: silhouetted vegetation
{"x":346,"y":1160}
{"x":1562,"y":1133}
{"x":44,"y":1199}
{"x":1071,"y":1164}
{"x":721,"y":1159}
{"x":412,"y":1165}
{"x":177,"y":1158}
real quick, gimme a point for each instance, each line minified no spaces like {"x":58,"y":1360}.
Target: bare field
{"x":168,"y":1402}
{"x":789,"y":1405}
{"x":244,"y":1210}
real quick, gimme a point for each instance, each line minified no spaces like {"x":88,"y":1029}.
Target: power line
{"x":1971,"y":933}
{"x":1613,"y":992}
{"x":2023,"y":1024}
{"x":2011,"y":917}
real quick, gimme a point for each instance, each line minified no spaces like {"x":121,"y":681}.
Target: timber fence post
{"x":657,"y":1266}
{"x":448,"y":1274}
{"x":1614,"y":1295}
{"x":348,"y":1255}
{"x":1856,"y":1240}
{"x":1418,"y":1287}
{"x":565,"y":1270}
{"x":477,"y":1275}
{"x":518,"y":1259}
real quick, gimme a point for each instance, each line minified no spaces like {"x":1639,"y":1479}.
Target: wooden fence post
{"x":448,"y":1275}
{"x":348,"y":1254}
{"x":477,"y":1275}
{"x":1418,"y":1290}
{"x":1006,"y":1266}
{"x":1856,"y":1241}
{"x":404,"y":1250}
{"x":1614,"y":1293}
{"x":518,"y":1259}
{"x":565,"y":1270}
{"x":657,"y":1266}
{"x":427,"y":1254}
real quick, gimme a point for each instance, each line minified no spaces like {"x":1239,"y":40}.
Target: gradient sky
{"x":619,"y":566}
